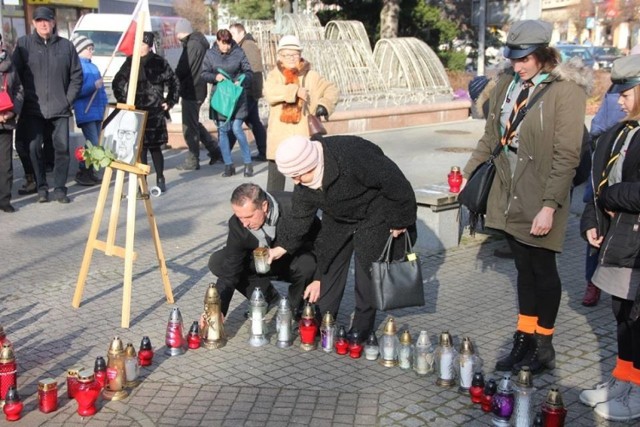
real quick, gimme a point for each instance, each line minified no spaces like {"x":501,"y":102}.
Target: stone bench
{"x":438,"y":218}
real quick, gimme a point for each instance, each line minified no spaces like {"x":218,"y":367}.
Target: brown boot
{"x":29,"y":186}
{"x":591,"y":295}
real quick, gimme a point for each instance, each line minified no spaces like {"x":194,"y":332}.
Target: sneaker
{"x":625,"y":407}
{"x":604,"y":391}
{"x":28,"y":187}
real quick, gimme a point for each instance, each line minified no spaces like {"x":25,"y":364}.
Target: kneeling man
{"x":256,"y":222}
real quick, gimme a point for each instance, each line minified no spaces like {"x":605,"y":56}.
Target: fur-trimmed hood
{"x":572,"y":70}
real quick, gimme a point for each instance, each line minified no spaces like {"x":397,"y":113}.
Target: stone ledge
{"x":366,"y":119}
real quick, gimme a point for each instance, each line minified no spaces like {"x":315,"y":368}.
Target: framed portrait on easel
{"x":122,"y":133}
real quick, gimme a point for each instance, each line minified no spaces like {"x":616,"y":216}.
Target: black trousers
{"x":275,"y":180}
{"x":297,"y":269}
{"x":6,"y":166}
{"x":30,"y":136}
{"x":193,"y":130}
{"x":334,"y":281}
{"x":538,"y":283}
{"x":628,"y":331}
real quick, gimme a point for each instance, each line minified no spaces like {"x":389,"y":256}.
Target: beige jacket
{"x":276,"y":92}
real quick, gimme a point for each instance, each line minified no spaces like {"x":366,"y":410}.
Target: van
{"x":105,"y":29}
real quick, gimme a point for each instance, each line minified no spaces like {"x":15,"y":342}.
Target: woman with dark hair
{"x":154,"y":78}
{"x":610,"y":222}
{"x":529,"y":197}
{"x":10,"y":81}
{"x":227,"y":56}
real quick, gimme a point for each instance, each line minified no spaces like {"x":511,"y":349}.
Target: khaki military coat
{"x":550,"y":137}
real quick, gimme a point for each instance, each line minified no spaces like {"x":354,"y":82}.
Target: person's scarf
{"x":292,"y":112}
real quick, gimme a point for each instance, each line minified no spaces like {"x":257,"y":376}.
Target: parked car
{"x":605,"y":55}
{"x":568,"y":51}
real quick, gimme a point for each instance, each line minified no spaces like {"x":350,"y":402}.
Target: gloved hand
{"x":321,"y":111}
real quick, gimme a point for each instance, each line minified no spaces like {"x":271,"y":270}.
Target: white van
{"x":105,"y":29}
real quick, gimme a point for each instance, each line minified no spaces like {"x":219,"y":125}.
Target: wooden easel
{"x":137,"y":177}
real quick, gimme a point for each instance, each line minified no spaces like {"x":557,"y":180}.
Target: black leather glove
{"x":321,"y":111}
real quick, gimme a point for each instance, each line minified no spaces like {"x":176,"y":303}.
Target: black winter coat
{"x":364,"y":194}
{"x":14,"y":88}
{"x":234,"y":63}
{"x":194,"y":49}
{"x":154,"y":78}
{"x":241,"y":242}
{"x":621,"y":245}
{"x":51,"y":75}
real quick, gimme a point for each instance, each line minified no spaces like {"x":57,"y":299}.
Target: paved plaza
{"x":469,"y":292}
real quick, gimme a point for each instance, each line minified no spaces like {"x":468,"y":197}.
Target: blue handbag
{"x":225,"y":98}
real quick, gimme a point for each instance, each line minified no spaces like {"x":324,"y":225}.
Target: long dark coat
{"x":364,"y":194}
{"x":154,"y":78}
{"x":234,"y":63}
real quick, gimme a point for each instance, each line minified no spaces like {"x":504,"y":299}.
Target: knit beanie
{"x":183,"y":27}
{"x":81,"y":43}
{"x":297,"y":155}
{"x":147,"y":38}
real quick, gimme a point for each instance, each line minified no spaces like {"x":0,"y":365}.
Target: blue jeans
{"x":91,"y":132}
{"x":223,"y":140}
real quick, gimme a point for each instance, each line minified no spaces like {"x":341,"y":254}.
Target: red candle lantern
{"x":553,"y":410}
{"x":355,"y":347}
{"x":72,"y":381}
{"x":174,"y":338}
{"x":490,"y":389}
{"x":342,"y":344}
{"x":13,"y":406}
{"x":193,"y":339}
{"x":3,"y":337}
{"x":47,"y":395}
{"x":145,"y":355}
{"x":477,"y":387}
{"x":308,"y":328}
{"x":87,"y":393}
{"x":100,"y":371}
{"x":454,"y":179}
{"x":8,"y":370}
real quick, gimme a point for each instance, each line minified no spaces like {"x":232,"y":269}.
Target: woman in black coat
{"x":227,"y":56}
{"x":154,"y":78}
{"x":10,"y":82}
{"x":363,"y":197}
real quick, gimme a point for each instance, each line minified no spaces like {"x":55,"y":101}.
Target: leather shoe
{"x":259,"y":158}
{"x":7,"y":208}
{"x":591,"y":295}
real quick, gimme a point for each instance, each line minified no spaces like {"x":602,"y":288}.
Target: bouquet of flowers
{"x":94,"y":155}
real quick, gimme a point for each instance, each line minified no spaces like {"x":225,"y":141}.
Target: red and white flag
{"x":125,"y":45}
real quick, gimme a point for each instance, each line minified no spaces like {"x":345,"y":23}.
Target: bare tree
{"x":194,"y":11}
{"x":389,"y":17}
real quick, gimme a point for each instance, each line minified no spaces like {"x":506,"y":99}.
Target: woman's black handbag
{"x":475,"y":194}
{"x":397,"y":284}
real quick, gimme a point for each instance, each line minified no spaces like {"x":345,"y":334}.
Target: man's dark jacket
{"x":364,"y":194}
{"x":51,"y":75}
{"x":241,"y":242}
{"x":194,"y":48}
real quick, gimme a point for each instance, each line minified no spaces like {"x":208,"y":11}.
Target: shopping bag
{"x":225,"y":98}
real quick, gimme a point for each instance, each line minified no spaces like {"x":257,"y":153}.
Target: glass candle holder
{"x":72,"y":380}
{"x":47,"y":395}
{"x":87,"y":393}
{"x":261,"y":260}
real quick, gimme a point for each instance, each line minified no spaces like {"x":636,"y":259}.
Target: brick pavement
{"x":469,"y":293}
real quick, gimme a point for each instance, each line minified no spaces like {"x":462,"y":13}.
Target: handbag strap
{"x":386,"y":252}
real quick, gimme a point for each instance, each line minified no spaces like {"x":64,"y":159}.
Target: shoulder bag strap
{"x":523,"y":112}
